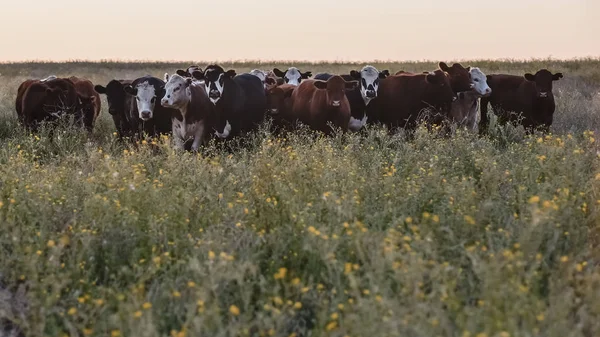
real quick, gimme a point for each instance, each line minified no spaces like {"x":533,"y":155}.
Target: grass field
{"x":355,"y":235}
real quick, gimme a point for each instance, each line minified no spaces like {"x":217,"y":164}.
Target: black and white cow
{"x":188,"y":72}
{"x":292,"y":76}
{"x":195,"y":110}
{"x":146,"y":113}
{"x":360,"y":97}
{"x":240,"y":101}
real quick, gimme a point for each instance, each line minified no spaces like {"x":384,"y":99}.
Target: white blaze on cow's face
{"x":293,"y":76}
{"x":214,"y":90}
{"x":177,"y":92}
{"x":479,"y":82}
{"x":145,"y":99}
{"x":369,"y":83}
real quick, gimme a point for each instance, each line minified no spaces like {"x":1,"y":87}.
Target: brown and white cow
{"x":194,"y":114}
{"x":464,"y":110}
{"x":90,"y":103}
{"x":268,"y":78}
{"x":317,"y":102}
{"x":292,"y":76}
{"x":526,"y":99}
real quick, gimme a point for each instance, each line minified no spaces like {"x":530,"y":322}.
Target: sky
{"x":311,"y":30}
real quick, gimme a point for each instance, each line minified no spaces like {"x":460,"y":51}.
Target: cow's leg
{"x":198,"y":135}
{"x":483,"y":122}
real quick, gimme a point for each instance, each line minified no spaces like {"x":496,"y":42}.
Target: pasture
{"x":359,"y":234}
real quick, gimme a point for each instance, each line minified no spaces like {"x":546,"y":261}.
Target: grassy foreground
{"x":355,"y":235}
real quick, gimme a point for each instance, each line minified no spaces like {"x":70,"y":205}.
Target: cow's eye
{"x":376,"y":82}
{"x":476,"y":80}
{"x":153,"y":99}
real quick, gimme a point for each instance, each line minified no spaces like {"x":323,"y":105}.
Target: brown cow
{"x":528,"y":99}
{"x":89,"y":100}
{"x":46,"y":100}
{"x":460,"y":78}
{"x":279,"y":105}
{"x":316,"y":102}
{"x":402,"y":98}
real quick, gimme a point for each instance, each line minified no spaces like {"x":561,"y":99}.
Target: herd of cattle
{"x":195,"y":105}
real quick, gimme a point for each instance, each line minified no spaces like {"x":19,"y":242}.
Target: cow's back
{"x":400,"y":99}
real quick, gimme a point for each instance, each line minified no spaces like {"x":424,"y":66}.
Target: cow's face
{"x":336,"y":88}
{"x":214,"y":81}
{"x":479,"y":82}
{"x":114,"y":95}
{"x":87,"y":105}
{"x":145,"y":97}
{"x":188,"y":72}
{"x":460,"y":80}
{"x":543,"y":82}
{"x":276,"y":99}
{"x":177,"y":92}
{"x":440,"y":86}
{"x":292,"y":76}
{"x":369,"y":78}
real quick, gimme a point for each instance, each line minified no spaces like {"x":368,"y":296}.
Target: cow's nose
{"x":371,"y":93}
{"x":335,"y":103}
{"x":488,"y":91}
{"x":145,"y":114}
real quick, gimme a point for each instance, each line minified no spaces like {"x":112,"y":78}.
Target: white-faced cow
{"x":195,"y":110}
{"x":146,"y":113}
{"x":464,"y":109}
{"x":268,"y":78}
{"x":360,"y":97}
{"x":292,"y":76}
{"x":240,"y":101}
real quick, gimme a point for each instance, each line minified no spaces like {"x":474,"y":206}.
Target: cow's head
{"x":369,"y":78}
{"x":336,"y":88}
{"x":145,"y":95}
{"x":292,"y":76}
{"x":115,"y":95}
{"x":276,"y":99}
{"x":188,"y":72}
{"x":479,"y":82}
{"x":214,"y":81}
{"x":543,"y":82}
{"x":440,"y":86}
{"x":460,"y":80}
{"x":177,"y":92}
{"x":87,"y":104}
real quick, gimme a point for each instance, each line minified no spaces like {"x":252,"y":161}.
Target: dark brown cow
{"x":460,"y":79}
{"x":402,"y":98}
{"x":316,"y":102}
{"x":46,"y":100}
{"x":89,"y":101}
{"x":526,"y":99}
{"x":279,"y":105}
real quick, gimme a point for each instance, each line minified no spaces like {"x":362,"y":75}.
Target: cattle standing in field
{"x":292,"y":76}
{"x":464,"y":109}
{"x":317,"y":102}
{"x":240,"y":101}
{"x":528,"y":99}
{"x":360,"y":97}
{"x":268,"y":78}
{"x":194,"y":111}
{"x":146,"y":113}
{"x":46,"y":100}
{"x":89,"y":100}
{"x":279,"y":105}
{"x":119,"y":105}
{"x":402,"y":98}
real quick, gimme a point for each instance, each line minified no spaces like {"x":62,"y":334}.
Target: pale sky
{"x":312,"y":30}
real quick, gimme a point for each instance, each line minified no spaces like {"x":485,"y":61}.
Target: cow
{"x":119,"y":105}
{"x":89,"y":100}
{"x":188,"y":72}
{"x":240,"y":101}
{"x":292,"y":76}
{"x":526,"y":99}
{"x":146,"y":114}
{"x":464,"y":109}
{"x":402,"y":98}
{"x":318,"y":102}
{"x":46,"y":101}
{"x":460,"y":78}
{"x":279,"y":105}
{"x":361,"y":96}
{"x":268,"y":78}
{"x":195,"y":111}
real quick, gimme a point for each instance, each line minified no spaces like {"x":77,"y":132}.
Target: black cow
{"x":119,"y":105}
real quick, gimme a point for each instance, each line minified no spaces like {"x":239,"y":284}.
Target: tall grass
{"x":353,"y":235}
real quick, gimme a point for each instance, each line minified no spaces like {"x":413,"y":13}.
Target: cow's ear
{"x":278,"y":72}
{"x":188,"y":81}
{"x":529,"y":77}
{"x":351,"y":85}
{"x":557,"y":76}
{"x":431,"y":78}
{"x":181,"y":73}
{"x":270,"y":81}
{"x":130,"y":90}
{"x":443,"y":66}
{"x":198,"y":74}
{"x":306,"y":75}
{"x":384,"y":73}
{"x":100,"y":89}
{"x":320,"y":84}
{"x":166,"y":79}
{"x":230,"y":73}
{"x":468,"y":68}
{"x":355,"y":74}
